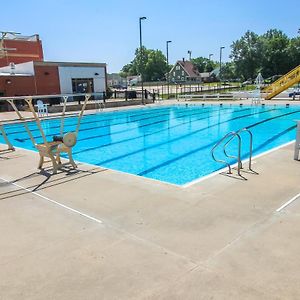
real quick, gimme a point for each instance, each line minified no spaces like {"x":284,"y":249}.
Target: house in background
{"x":207,"y":77}
{"x":114,"y":80}
{"x":133,"y":80}
{"x":184,"y":71}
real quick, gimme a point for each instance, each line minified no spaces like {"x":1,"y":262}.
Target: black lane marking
{"x":126,"y":130}
{"x":152,"y":133}
{"x":174,"y":140}
{"x":87,"y":122}
{"x":211,"y":144}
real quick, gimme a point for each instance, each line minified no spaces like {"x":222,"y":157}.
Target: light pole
{"x":190,"y":54}
{"x":209,"y":56}
{"x":168,"y":74}
{"x":221,"y":48}
{"x":141,"y":58}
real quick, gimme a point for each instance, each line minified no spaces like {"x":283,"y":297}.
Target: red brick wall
{"x":25,"y":51}
{"x":47,"y":80}
{"x":17,"y":85}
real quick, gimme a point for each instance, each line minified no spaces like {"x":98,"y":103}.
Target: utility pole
{"x":141,"y":58}
{"x":168,"y":74}
{"x":221,"y":49}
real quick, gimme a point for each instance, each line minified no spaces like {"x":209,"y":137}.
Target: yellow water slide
{"x":283,"y":83}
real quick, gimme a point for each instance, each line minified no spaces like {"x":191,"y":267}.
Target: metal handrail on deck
{"x":232,"y":135}
{"x":216,"y":146}
{"x":238,"y":133}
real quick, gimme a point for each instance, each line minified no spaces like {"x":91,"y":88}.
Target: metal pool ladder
{"x":229,"y":137}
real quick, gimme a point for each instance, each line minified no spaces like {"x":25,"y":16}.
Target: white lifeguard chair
{"x":42,"y":108}
{"x":256,"y":95}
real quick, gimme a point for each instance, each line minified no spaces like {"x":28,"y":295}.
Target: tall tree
{"x":294,"y":52}
{"x":275,"y":56}
{"x":152,"y":63}
{"x":228,"y":71}
{"x":246,"y":55}
{"x":204,"y":64}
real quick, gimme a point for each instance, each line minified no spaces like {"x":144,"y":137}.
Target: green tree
{"x":151,"y":63}
{"x":294,"y":52}
{"x":127,"y":70}
{"x":228,"y":71}
{"x":275,"y":54}
{"x":204,"y":64}
{"x":247,"y":55}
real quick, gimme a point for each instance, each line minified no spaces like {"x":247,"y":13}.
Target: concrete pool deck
{"x":100,"y":234}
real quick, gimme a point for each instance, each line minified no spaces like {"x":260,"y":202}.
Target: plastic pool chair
{"x":42,"y":108}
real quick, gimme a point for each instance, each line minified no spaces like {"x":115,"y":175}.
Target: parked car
{"x":294,"y":94}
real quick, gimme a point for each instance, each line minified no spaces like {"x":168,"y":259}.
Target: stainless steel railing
{"x":231,"y":136}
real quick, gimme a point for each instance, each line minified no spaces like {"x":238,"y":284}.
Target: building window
{"x":174,"y":74}
{"x":82,"y":85}
{"x":182,"y":73}
{"x":177,"y":67}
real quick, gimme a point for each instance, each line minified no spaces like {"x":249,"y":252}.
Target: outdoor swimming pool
{"x":167,"y":143}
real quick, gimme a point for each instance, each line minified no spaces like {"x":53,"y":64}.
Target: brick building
{"x":24,"y":72}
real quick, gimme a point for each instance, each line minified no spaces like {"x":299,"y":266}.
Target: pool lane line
{"x":283,"y":206}
{"x":125,"y":130}
{"x":87,"y":122}
{"x":102,"y":114}
{"x":84,"y":122}
{"x":103,"y":126}
{"x":276,"y":117}
{"x":149,"y":134}
{"x":152,"y":123}
{"x":54,"y":202}
{"x":167,"y":142}
{"x":276,"y":136}
{"x":141,"y":126}
{"x":210,"y":145}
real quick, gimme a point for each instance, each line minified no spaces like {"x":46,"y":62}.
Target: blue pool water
{"x":167,"y":143}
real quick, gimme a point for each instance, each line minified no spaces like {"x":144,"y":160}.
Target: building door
{"x":82,"y":85}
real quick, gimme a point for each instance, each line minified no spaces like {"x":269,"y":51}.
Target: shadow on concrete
{"x":50,"y":180}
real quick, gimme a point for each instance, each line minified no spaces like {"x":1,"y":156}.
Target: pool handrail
{"x":250,"y":147}
{"x":232,"y":133}
{"x":231,"y":136}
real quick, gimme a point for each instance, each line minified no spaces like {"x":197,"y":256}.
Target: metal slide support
{"x":10,"y":146}
{"x":11,"y":102}
{"x":87,"y":97}
{"x":63,"y":115}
